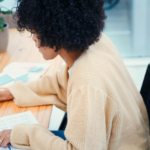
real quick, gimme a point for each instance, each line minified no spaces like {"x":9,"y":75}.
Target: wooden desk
{"x":21,"y":48}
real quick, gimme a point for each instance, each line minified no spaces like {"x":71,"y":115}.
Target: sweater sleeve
{"x":50,"y":89}
{"x":86,"y":128}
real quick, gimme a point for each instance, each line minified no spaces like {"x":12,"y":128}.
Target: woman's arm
{"x":90,"y":116}
{"x":50,"y":89}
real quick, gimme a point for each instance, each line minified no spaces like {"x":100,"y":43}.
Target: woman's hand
{"x":5,"y":95}
{"x":5,"y":138}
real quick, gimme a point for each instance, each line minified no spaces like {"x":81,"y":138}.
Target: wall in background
{"x":9,"y":4}
{"x":140,"y":27}
{"x":127,"y":26}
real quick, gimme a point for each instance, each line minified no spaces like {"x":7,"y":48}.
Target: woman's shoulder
{"x":102,"y":54}
{"x":97,"y":64}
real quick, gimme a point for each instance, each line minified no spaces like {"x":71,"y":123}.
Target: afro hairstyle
{"x":70,"y":24}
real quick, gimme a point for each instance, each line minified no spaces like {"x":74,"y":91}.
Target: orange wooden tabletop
{"x":21,"y":48}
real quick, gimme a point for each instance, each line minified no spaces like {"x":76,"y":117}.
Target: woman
{"x":105,"y":110}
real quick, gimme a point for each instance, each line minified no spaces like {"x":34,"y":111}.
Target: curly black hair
{"x":70,"y":24}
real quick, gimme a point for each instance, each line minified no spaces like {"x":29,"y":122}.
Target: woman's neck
{"x":70,"y":57}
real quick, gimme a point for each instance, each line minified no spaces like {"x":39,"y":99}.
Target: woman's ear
{"x":34,"y":38}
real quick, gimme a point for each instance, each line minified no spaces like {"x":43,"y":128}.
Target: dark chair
{"x":145,"y":90}
{"x":63,"y":123}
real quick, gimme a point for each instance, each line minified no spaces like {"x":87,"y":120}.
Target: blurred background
{"x":127,"y":25}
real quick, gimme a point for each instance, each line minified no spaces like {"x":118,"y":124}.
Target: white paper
{"x":17,"y":69}
{"x":10,"y":148}
{"x":9,"y":122}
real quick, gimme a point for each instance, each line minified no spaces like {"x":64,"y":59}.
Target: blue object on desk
{"x":35,"y":69}
{"x":5,"y":79}
{"x":22,"y":78}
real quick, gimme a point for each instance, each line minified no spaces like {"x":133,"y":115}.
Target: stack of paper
{"x":24,"y":72}
{"x":9,"y":122}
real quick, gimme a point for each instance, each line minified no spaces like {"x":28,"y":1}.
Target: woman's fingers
{"x":1,"y":140}
{"x":5,"y":138}
{"x":5,"y":143}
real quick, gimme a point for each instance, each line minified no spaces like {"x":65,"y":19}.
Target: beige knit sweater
{"x":105,"y":109}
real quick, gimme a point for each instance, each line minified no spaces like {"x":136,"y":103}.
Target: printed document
{"x":9,"y":122}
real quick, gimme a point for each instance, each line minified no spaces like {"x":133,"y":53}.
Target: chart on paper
{"x":9,"y":122}
{"x":21,"y":71}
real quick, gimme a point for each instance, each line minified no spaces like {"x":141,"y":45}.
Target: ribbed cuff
{"x":35,"y":137}
{"x":19,"y":136}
